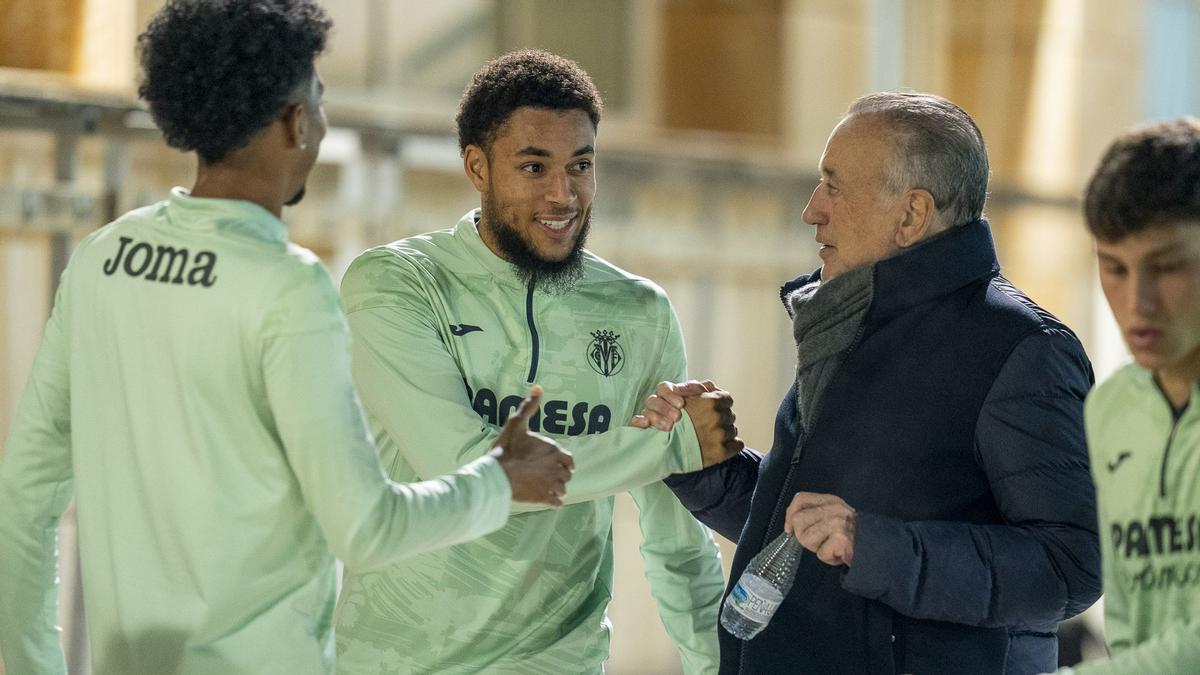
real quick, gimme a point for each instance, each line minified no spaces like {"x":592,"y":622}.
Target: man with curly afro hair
{"x":509,"y":297}
{"x":1143,"y":423}
{"x":193,"y":393}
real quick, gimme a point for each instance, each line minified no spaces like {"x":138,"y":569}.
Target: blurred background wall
{"x":717,"y":112}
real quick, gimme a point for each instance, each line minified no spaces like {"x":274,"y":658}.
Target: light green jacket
{"x":193,"y":393}
{"x":446,"y":341}
{"x":1146,"y":464}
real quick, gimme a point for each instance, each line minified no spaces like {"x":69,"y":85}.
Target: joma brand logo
{"x":158,"y":263}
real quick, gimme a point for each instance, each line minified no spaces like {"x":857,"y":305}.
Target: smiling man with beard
{"x":450,"y":327}
{"x":566,"y":230}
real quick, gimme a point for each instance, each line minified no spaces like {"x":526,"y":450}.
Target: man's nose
{"x":814,"y":211}
{"x":561,"y":189}
{"x":1146,"y":300}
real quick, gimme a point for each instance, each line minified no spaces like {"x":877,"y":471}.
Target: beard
{"x":556,"y":277}
{"x":296,"y":197}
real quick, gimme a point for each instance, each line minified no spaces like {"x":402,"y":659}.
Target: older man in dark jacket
{"x":931,"y":452}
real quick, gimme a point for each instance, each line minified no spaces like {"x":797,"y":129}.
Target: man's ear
{"x":295,"y":125}
{"x":475,"y":163}
{"x":920,"y":218}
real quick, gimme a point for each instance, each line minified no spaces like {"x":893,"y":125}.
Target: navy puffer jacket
{"x":954,"y":426}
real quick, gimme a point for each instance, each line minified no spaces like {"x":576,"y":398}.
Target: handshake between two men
{"x":538,"y":468}
{"x":822,"y":523}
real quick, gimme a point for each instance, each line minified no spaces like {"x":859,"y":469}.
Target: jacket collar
{"x":932,"y":269}
{"x":234,"y":216}
{"x":1144,"y":380}
{"x":467,"y":232}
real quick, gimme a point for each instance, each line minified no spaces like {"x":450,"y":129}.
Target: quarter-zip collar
{"x":1175,"y":412}
{"x":228,"y":216}
{"x":535,"y":346}
{"x":504,"y":273}
{"x":467,"y":232}
{"x":1147,"y":380}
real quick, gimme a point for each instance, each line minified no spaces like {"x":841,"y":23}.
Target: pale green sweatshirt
{"x":1146,"y":464}
{"x":193,"y":393}
{"x":446,"y":337}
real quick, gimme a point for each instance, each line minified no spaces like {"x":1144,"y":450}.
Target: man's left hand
{"x":823,"y":524}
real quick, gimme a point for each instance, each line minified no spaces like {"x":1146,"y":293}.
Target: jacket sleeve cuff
{"x":688,"y":446}
{"x":881,"y":547}
{"x":496,"y":495}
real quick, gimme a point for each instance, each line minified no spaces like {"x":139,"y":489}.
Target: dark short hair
{"x":215,"y":72}
{"x":936,"y":147}
{"x":1149,"y":176}
{"x":526,"y":77}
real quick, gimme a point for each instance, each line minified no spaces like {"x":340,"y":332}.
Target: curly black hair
{"x":1148,"y":177}
{"x":525,"y":77}
{"x":215,"y":72}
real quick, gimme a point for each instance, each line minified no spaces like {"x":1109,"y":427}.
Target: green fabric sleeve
{"x":1118,"y":624}
{"x":682,"y":562}
{"x":415,"y":390}
{"x":367,"y":520}
{"x":35,"y":487}
{"x":683,"y":566}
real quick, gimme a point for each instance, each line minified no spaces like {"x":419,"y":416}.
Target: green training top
{"x":446,"y":340}
{"x":1146,"y":464}
{"x":193,"y":392}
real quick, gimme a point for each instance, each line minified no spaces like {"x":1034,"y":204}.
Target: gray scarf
{"x":825,"y":319}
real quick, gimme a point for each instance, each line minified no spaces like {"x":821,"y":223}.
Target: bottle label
{"x":755,"y":598}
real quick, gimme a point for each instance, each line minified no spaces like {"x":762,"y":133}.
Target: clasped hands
{"x":824,"y":524}
{"x":709,"y":408}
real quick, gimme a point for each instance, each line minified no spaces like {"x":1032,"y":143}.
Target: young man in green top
{"x":449,"y":327}
{"x":1143,"y":423}
{"x":193,"y":392}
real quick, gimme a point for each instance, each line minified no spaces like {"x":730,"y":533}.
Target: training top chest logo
{"x":604,"y":353}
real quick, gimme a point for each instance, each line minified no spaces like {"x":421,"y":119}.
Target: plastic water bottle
{"x":762,"y":588}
